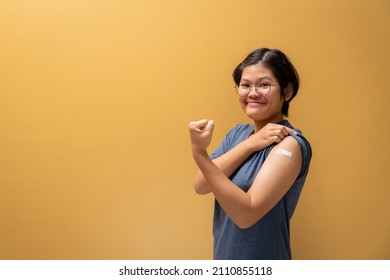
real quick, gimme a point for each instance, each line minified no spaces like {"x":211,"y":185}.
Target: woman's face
{"x":258,"y":107}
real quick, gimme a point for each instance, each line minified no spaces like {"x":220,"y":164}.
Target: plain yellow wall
{"x":96,"y":96}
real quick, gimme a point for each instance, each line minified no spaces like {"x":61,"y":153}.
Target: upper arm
{"x":276,"y":176}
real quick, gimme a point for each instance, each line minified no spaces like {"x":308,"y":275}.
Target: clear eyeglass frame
{"x":261,"y":89}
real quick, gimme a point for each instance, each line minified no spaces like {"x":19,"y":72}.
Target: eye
{"x":244,"y":85}
{"x":263,"y":85}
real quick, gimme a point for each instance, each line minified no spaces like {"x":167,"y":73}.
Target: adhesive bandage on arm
{"x":283,"y":152}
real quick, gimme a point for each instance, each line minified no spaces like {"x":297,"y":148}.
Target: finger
{"x":276,"y":139}
{"x":280,"y":133}
{"x":286,"y":130}
{"x":198,"y":125}
{"x":207,"y":125}
{"x":290,"y":130}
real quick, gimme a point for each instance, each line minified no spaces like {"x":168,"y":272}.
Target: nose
{"x":252,"y":92}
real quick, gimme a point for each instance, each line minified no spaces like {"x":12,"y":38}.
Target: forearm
{"x":227,"y":163}
{"x":233,"y":200}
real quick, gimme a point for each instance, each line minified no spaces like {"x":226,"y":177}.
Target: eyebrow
{"x":260,"y":79}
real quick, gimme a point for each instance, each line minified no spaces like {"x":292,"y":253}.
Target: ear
{"x":288,"y":92}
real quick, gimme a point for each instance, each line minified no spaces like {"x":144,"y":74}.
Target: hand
{"x":201,"y":134}
{"x":271,"y":133}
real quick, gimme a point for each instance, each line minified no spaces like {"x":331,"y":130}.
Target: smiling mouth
{"x":256,"y":103}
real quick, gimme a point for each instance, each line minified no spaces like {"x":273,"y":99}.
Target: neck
{"x":259,"y":124}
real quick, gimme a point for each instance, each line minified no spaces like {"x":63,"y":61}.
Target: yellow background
{"x":96,"y":96}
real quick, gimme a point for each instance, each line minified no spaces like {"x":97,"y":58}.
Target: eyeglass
{"x":261,"y":89}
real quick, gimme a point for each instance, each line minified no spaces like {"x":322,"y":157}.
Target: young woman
{"x":258,"y":171}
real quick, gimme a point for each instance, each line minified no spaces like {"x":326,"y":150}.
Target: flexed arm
{"x":234,"y":158}
{"x":277,"y":174}
{"x":227,"y":162}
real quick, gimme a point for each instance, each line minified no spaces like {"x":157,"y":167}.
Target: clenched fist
{"x":201,"y":133}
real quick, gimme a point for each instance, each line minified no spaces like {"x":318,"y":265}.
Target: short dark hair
{"x":279,"y":64}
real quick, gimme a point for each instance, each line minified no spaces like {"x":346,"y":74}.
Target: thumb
{"x":210,"y":125}
{"x":198,"y":125}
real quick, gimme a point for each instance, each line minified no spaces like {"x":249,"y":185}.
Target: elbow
{"x":245,"y":223}
{"x":200,"y":184}
{"x":199,"y":190}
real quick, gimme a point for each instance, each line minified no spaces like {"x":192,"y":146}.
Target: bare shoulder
{"x":288,"y":147}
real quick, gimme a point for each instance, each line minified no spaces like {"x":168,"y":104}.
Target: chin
{"x":256,"y":117}
{"x":253,"y":113}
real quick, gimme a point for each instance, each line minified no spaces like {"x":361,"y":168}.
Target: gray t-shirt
{"x":269,"y":238}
